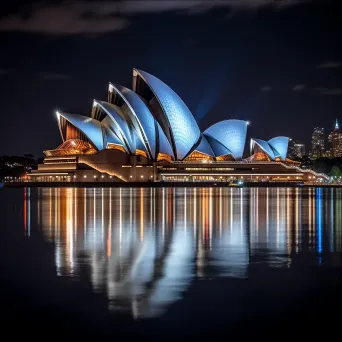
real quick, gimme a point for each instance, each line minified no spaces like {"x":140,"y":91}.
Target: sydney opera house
{"x":148,"y":134}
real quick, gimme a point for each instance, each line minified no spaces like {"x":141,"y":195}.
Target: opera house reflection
{"x":145,"y":246}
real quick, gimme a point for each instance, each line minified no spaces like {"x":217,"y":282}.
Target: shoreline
{"x":165,"y":185}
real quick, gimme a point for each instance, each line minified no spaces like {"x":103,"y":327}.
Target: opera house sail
{"x":274,"y":149}
{"x":148,"y":133}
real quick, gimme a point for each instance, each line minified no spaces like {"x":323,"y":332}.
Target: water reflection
{"x":145,"y":246}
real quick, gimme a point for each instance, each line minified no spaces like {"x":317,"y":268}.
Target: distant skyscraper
{"x":299,"y":150}
{"x":317,"y":142}
{"x":335,"y":139}
{"x":296,"y":149}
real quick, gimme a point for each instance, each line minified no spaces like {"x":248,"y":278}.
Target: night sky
{"x":275,"y":63}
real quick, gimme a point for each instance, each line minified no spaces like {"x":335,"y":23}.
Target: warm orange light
{"x":227,"y":157}
{"x":198,"y":156}
{"x":72,"y":147}
{"x":141,"y":153}
{"x":115,"y":147}
{"x":259,"y":156}
{"x":163,"y":156}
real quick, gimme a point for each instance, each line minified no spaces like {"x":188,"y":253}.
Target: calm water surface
{"x":144,"y":248}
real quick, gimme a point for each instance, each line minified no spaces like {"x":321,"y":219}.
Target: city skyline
{"x":326,"y":145}
{"x":221,"y":60}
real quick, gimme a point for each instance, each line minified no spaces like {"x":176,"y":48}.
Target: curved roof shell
{"x":91,"y":128}
{"x":218,"y":148}
{"x":163,"y":144}
{"x":280,"y":146}
{"x":118,"y":124}
{"x":111,"y":136}
{"x":182,"y":126}
{"x":140,"y":116}
{"x":264,"y":146}
{"x":204,"y":147}
{"x":230,"y":133}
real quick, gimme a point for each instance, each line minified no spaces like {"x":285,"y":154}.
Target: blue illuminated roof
{"x":264,"y":146}
{"x":218,"y":148}
{"x":91,"y":128}
{"x":140,"y":117}
{"x":154,"y":119}
{"x":164,"y":145}
{"x":118,"y":124}
{"x":111,"y":136}
{"x":139,"y":144}
{"x":279,"y":146}
{"x":230,"y":133}
{"x":204,"y":147}
{"x":182,"y":125}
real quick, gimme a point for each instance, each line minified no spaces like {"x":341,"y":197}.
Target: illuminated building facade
{"x":296,"y":149}
{"x":317,"y":142}
{"x":149,"y":134}
{"x":335,"y":139}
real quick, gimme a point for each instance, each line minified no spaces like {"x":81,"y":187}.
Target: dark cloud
{"x":330,"y":91}
{"x":98,"y":17}
{"x":299,"y":87}
{"x":65,"y":19}
{"x":266,"y":88}
{"x":330,"y":65}
{"x":54,"y":76}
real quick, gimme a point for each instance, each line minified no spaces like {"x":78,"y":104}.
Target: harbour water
{"x":168,"y":254}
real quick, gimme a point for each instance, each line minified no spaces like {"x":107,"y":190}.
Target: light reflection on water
{"x":145,"y":246}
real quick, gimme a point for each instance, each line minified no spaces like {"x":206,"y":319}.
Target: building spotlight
{"x":248,"y":123}
{"x":102,"y":176}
